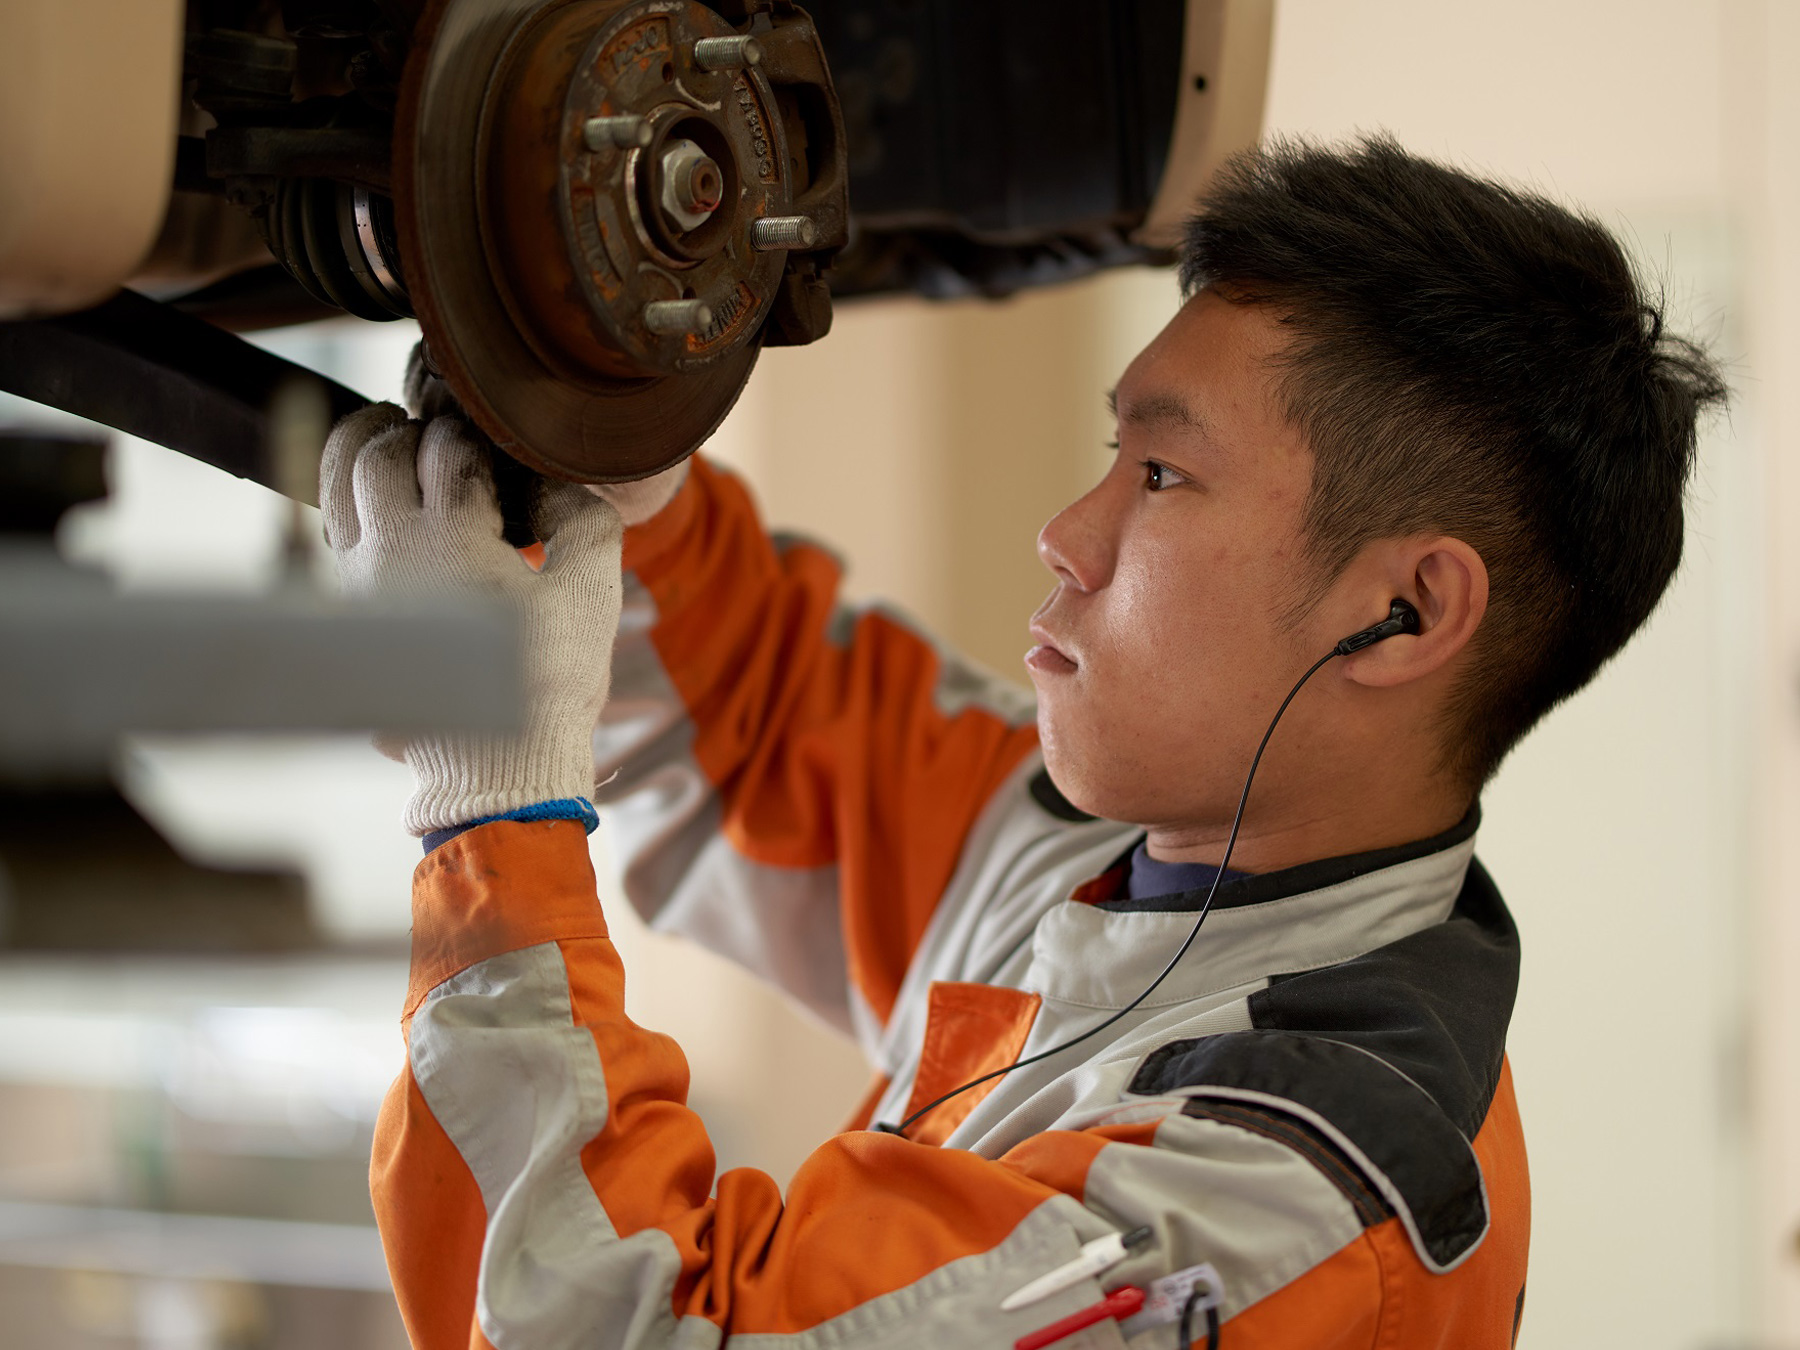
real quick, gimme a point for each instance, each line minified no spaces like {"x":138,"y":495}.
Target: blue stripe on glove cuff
{"x":563,"y":808}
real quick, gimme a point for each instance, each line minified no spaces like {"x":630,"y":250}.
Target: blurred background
{"x":184,"y":1142}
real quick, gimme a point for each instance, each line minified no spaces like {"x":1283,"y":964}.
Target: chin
{"x":1091,"y":772}
{"x":1088,"y":782}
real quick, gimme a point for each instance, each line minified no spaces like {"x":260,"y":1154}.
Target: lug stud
{"x":626,"y":133}
{"x":776,"y":232}
{"x":677,"y":316}
{"x":726,"y":53}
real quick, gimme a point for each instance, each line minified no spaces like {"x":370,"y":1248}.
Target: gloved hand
{"x":409,"y":510}
{"x":637,"y":501}
{"x":427,"y":397}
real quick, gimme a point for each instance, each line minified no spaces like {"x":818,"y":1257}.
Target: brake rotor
{"x":596,"y":202}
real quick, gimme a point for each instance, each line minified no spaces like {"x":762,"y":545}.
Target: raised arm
{"x":795,"y":779}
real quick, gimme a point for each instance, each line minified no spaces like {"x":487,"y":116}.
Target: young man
{"x":1390,"y":383}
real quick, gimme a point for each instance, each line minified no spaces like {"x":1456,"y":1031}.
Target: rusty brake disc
{"x":601,"y":204}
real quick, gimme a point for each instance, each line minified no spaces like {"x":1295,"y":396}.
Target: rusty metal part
{"x":772,"y":232}
{"x":625,"y":133}
{"x":727,"y":53}
{"x":678,"y":316}
{"x":594,"y":299}
{"x":693,"y":185}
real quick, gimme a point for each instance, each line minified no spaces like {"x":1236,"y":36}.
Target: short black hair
{"x":1478,"y":361}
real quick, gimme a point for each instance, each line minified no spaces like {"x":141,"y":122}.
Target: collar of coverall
{"x":1102,"y":952}
{"x":1108,"y":890}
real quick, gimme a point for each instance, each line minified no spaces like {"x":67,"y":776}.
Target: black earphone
{"x":1401,"y":618}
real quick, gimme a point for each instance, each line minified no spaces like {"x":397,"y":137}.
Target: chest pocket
{"x":970,"y":1029}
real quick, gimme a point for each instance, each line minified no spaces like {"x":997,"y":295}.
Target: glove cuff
{"x":470,"y":778}
{"x":638,"y":501}
{"x":565,"y":808}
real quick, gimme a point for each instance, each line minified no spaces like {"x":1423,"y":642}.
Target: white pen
{"x":1102,"y":1254}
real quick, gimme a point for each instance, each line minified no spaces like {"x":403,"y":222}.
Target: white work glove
{"x":427,"y":397}
{"x":637,"y":501}
{"x":409,"y":510}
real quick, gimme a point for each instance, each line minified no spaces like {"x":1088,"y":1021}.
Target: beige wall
{"x":1762,"y":155}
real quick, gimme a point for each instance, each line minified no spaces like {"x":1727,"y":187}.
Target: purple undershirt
{"x":1150,"y":878}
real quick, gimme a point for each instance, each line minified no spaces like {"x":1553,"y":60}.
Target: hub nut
{"x":693,"y":186}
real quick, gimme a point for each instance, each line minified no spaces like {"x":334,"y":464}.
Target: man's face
{"x":1163,"y":650}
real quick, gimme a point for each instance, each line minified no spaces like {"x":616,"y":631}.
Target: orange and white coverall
{"x":1316,"y":1102}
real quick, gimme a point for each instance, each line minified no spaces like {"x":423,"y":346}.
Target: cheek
{"x":1173,"y":601}
{"x":1152,"y":667}
{"x":1189,"y":632}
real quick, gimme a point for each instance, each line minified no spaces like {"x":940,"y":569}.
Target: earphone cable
{"x":1175,"y":960}
{"x":1184,"y":1336}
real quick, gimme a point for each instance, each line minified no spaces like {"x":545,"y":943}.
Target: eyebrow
{"x":1159,"y":409}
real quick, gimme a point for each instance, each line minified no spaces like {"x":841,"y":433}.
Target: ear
{"x":1447,"y":582}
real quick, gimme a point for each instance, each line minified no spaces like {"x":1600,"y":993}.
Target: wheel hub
{"x":606,"y":200}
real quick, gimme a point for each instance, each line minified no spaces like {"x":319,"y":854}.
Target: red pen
{"x":1120,"y":1304}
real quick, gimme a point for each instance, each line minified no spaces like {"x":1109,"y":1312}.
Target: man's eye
{"x":1159,"y":476}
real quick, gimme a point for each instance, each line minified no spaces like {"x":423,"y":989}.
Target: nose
{"x":1077,"y":543}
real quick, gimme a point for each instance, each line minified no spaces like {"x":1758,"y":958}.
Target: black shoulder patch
{"x":1047,"y":795}
{"x":1394,"y":1056}
{"x":1379,"y":1120}
{"x":1433,"y":1006}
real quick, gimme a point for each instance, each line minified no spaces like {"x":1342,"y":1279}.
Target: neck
{"x":1307,"y":833}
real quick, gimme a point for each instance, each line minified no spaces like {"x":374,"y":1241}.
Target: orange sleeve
{"x":827,"y":740}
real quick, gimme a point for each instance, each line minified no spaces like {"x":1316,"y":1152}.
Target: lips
{"x":1047,"y":658}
